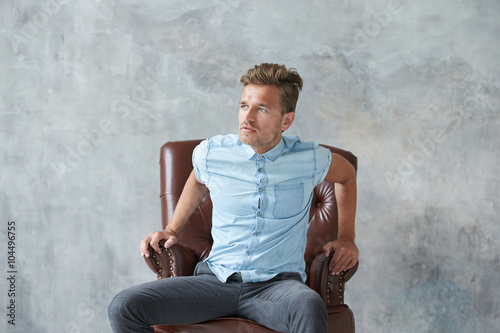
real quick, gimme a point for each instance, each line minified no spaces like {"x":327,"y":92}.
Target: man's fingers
{"x":328,"y":249}
{"x":157,"y":237}
{"x":154,"y":239}
{"x":340,"y":267}
{"x":339,"y":264}
{"x":345,"y":255}
{"x":170,"y":242}
{"x":144,"y":247}
{"x":342,"y":261}
{"x":351,"y":264}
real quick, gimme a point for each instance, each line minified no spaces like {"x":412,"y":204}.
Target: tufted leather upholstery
{"x":195,"y":241}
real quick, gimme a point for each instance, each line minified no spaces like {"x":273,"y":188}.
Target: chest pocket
{"x":289,"y":199}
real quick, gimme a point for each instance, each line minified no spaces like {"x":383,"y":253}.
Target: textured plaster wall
{"x":90,"y":90}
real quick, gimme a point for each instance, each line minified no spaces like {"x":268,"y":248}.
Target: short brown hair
{"x":288,"y":82}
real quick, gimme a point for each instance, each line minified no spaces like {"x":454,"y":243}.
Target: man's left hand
{"x":345,"y":256}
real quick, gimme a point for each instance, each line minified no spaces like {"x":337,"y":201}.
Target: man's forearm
{"x":191,"y":196}
{"x":346,"y":203}
{"x":343,"y":174}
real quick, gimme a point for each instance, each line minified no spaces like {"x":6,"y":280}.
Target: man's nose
{"x":250,"y":114}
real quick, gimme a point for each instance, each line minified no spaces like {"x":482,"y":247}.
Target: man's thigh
{"x":181,"y":300}
{"x":278,"y":303}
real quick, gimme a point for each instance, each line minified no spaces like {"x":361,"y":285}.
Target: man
{"x":261,"y":185}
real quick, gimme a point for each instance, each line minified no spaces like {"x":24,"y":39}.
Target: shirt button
{"x":248,"y":253}
{"x":260,"y":170}
{"x":260,"y":157}
{"x":261,"y":189}
{"x":259,"y":213}
{"x":255,"y":234}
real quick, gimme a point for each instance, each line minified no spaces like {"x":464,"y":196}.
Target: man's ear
{"x":287,"y":120}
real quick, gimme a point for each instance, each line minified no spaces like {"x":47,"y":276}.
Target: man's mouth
{"x":247,"y":129}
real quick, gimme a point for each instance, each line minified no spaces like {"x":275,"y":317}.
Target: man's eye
{"x":243,"y":107}
{"x":262,"y":110}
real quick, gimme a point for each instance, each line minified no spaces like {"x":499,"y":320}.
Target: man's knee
{"x":310,"y":302}
{"x":122,"y":305}
{"x":115,"y":308}
{"x":127,"y":313}
{"x":309,"y":314}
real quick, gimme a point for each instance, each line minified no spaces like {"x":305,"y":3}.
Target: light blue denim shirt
{"x":260,"y":204}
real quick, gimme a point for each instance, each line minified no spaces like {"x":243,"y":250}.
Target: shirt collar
{"x":271,"y":155}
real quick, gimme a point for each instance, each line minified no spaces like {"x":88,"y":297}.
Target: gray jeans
{"x":284,"y":303}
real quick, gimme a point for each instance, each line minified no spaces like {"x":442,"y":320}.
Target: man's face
{"x":260,"y":118}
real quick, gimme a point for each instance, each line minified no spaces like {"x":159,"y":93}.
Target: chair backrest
{"x":175,"y":167}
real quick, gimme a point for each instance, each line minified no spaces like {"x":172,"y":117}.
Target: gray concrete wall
{"x":90,"y":90}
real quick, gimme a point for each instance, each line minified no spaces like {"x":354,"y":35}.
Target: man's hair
{"x":288,"y":81}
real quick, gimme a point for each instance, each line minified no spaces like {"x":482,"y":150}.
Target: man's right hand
{"x":154,"y":238}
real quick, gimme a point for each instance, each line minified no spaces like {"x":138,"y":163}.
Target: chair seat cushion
{"x":221,"y":325}
{"x":340,"y":318}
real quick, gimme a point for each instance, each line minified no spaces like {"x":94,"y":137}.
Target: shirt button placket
{"x":259,"y":213}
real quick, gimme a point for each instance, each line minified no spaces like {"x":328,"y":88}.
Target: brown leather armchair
{"x":195,"y":242}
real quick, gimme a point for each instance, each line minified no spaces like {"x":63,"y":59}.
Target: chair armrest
{"x":329,"y":286}
{"x":174,"y":261}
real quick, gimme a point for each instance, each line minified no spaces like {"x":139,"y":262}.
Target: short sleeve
{"x":200,"y":161}
{"x":323,"y":158}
